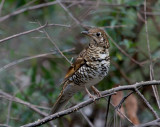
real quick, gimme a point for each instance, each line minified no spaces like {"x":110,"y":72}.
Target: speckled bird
{"x":89,"y":68}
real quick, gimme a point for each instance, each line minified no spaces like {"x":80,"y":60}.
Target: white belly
{"x":92,"y":82}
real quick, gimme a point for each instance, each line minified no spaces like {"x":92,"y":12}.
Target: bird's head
{"x":98,"y":36}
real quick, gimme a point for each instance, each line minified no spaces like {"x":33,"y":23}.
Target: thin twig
{"x":148,"y":45}
{"x":9,"y":111}
{"x":125,"y":116}
{"x":123,"y":99}
{"x":1,"y":6}
{"x":121,"y":72}
{"x":56,"y":46}
{"x":126,"y":54}
{"x":154,"y":123}
{"x":86,"y":118}
{"x":115,"y":26}
{"x":12,"y":98}
{"x":69,"y":13}
{"x":115,"y":119}
{"x":120,"y":112}
{"x":111,"y":27}
{"x":151,"y":13}
{"x":147,"y":103}
{"x":106,"y":120}
{"x":27,"y":9}
{"x":21,"y":102}
{"x":37,"y":29}
{"x":53,"y":3}
{"x":30,"y":31}
{"x":31,"y":57}
{"x":155,"y":90}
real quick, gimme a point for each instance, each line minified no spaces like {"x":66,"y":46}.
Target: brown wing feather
{"x":76,"y":65}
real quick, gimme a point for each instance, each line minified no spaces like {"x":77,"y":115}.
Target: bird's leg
{"x":96,"y":91}
{"x":89,"y":94}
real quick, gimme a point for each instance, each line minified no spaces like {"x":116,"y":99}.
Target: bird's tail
{"x":60,"y":103}
{"x":67,"y":92}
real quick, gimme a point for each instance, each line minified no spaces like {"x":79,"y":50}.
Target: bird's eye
{"x":98,"y":34}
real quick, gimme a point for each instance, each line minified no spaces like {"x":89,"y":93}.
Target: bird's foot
{"x":90,"y":95}
{"x":96,"y":91}
{"x":93,"y":97}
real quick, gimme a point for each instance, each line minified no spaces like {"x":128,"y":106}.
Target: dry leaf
{"x":132,"y":108}
{"x":116,"y":100}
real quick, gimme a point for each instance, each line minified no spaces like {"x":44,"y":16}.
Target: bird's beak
{"x":85,"y":32}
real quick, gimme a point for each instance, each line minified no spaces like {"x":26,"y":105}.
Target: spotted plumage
{"x":90,"y":67}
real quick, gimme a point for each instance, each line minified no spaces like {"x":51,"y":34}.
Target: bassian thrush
{"x":90,"y":67}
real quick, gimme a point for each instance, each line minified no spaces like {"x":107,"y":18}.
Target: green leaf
{"x":119,"y":56}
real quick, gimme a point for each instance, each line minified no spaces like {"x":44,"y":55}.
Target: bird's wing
{"x":69,"y":90}
{"x":76,"y":65}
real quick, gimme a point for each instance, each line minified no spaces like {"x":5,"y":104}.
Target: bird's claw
{"x":96,"y":91}
{"x":93,"y":97}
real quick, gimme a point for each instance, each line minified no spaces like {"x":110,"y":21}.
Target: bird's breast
{"x":93,"y":71}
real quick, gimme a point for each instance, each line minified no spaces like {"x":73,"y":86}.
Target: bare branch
{"x":27,"y":9}
{"x":65,"y":112}
{"x":89,"y":101}
{"x":31,"y":106}
{"x":33,"y":30}
{"x":20,"y":102}
{"x":52,"y":3}
{"x":29,"y":58}
{"x":153,"y":123}
{"x":43,"y":26}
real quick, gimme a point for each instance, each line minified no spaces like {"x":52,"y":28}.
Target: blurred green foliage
{"x":37,"y":80}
